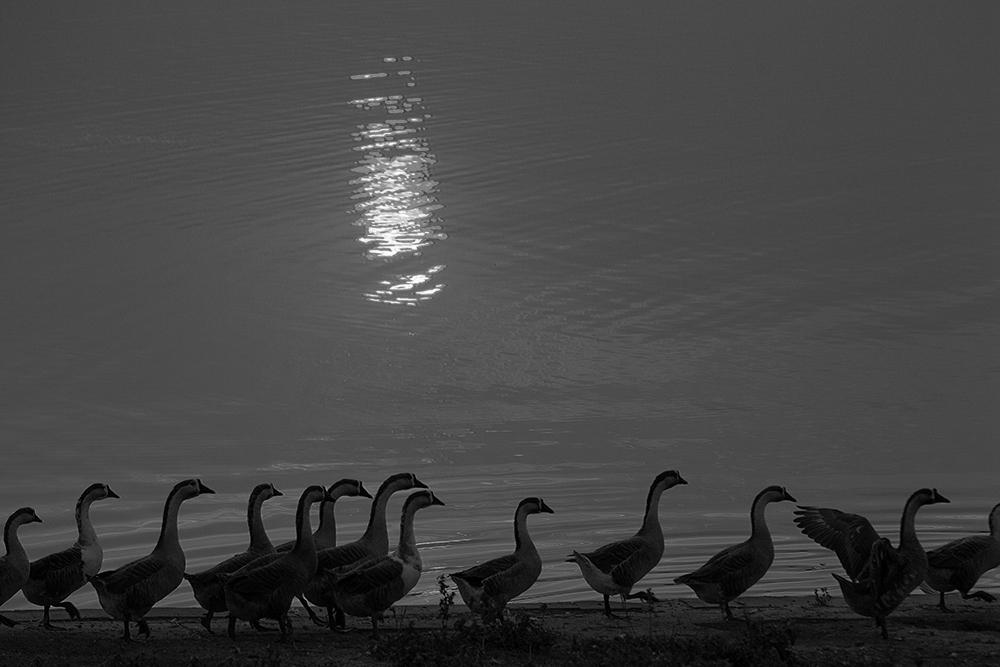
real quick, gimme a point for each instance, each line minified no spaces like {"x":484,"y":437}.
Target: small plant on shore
{"x":446,"y":601}
{"x":823,"y":597}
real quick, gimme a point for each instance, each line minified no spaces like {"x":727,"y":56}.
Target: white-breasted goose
{"x":373,"y":544}
{"x":129,"y":592}
{"x":488,"y":587}
{"x":54,"y":577}
{"x":14,"y":564}
{"x":958,"y":565}
{"x":729,"y":573}
{"x":207,"y":585}
{"x":372,"y":587}
{"x":615,"y":568}
{"x":890,"y":573}
{"x":265,"y":587}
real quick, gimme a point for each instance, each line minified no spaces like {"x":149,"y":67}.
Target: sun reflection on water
{"x":395,"y":191}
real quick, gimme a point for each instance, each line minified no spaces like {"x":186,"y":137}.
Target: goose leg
{"x":941,"y":605}
{"x":982,"y":595}
{"x":312,"y":615}
{"x":283,"y":624}
{"x":127,"y":635}
{"x":74,"y":613}
{"x":231,"y":629}
{"x":885,"y":629}
{"x":46,"y":623}
{"x":206,"y":621}
{"x":727,"y":611}
{"x":143,"y":627}
{"x":6,"y":621}
{"x":339,"y":617}
{"x":607,"y":606}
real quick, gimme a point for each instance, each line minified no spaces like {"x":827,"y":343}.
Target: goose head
{"x":420,"y":500}
{"x":928,"y":497}
{"x":668,"y":479}
{"x":534,"y":506}
{"x":265,"y":491}
{"x":775,"y":494}
{"x":348,"y":487}
{"x":994,"y":521}
{"x":98,"y":491}
{"x":21,"y":517}
{"x":400,"y":482}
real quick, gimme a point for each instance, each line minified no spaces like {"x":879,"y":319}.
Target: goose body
{"x":729,"y":573}
{"x":372,"y":587}
{"x":890,"y":573}
{"x":53,"y":578}
{"x":129,"y":592}
{"x":615,"y":568}
{"x":14,"y":565}
{"x":264,"y":588}
{"x":488,"y":587}
{"x":207,"y":585}
{"x":958,"y":565}
{"x":373,"y":544}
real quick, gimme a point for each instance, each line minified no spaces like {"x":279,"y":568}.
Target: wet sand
{"x":823,"y":634}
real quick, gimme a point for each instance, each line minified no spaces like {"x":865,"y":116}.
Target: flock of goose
{"x":363,"y":578}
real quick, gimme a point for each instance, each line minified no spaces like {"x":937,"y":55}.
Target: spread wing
{"x":850,"y":536}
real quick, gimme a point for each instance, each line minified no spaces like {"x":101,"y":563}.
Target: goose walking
{"x":53,"y":578}
{"x":488,"y":587}
{"x":615,"y":568}
{"x":207,"y":585}
{"x":373,"y":544}
{"x":372,"y":587}
{"x":14,"y":565}
{"x":878,"y":585}
{"x":958,"y":565}
{"x":729,"y":573}
{"x":264,"y":588}
{"x":325,"y":536}
{"x":128,"y":593}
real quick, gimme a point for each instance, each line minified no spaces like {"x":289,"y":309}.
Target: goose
{"x":878,"y":585}
{"x":729,"y":573}
{"x":374,"y":543}
{"x":615,"y":568}
{"x":373,"y":586}
{"x":128,"y":593}
{"x":488,"y":587}
{"x":325,"y":536}
{"x":958,"y":564}
{"x":264,"y":588}
{"x":14,"y":565}
{"x":53,"y":578}
{"x":206,"y":584}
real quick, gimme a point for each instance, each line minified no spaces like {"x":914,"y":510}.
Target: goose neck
{"x":907,"y":523}
{"x":377,"y":532}
{"x":168,"y":527}
{"x":522,"y":539}
{"x":86,"y":535}
{"x":11,"y":542}
{"x":304,"y":543}
{"x":651,"y":517}
{"x":758,"y":521}
{"x":994,"y":522}
{"x":407,"y":538}
{"x":327,"y":530}
{"x":255,"y":522}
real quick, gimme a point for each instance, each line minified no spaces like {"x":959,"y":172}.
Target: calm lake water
{"x":548,"y":249}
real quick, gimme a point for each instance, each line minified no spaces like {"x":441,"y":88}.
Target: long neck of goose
{"x":255,"y":522}
{"x":407,"y":539}
{"x":327,"y":530}
{"x":522,"y":540}
{"x":377,"y":532}
{"x":651,"y":518}
{"x":86,"y":535}
{"x":758,"y":524}
{"x":304,"y":542}
{"x":10,"y":541}
{"x":907,"y":524}
{"x":168,"y":529}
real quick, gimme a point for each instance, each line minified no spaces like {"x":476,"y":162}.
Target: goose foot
{"x":143,"y":627}
{"x":206,"y":622}
{"x":982,"y":595}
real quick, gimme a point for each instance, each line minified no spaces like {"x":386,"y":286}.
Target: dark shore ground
{"x":577,"y":633}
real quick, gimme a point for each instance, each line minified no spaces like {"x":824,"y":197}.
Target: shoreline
{"x":819,"y":634}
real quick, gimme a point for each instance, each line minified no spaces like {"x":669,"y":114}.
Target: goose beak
{"x":362,"y":491}
{"x":545,"y":508}
{"x":681,"y":480}
{"x":275,"y":492}
{"x":203,"y":489}
{"x":417,"y":484}
{"x":788,"y":496}
{"x":34,"y":518}
{"x":938,"y":498}
{"x":437,"y":501}
{"x":112,"y":494}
